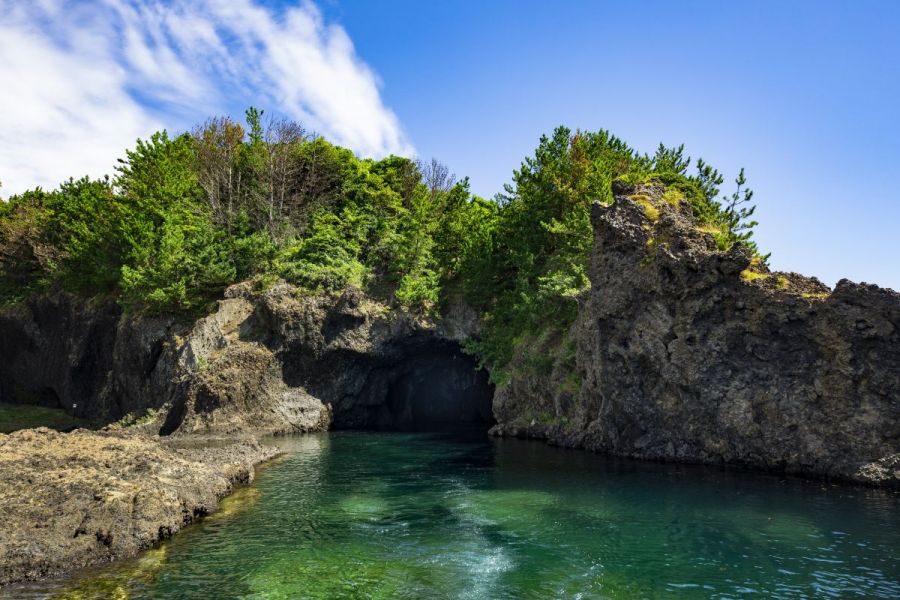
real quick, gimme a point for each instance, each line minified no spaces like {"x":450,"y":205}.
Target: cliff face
{"x":276,"y":362}
{"x":284,"y":361}
{"x":680,"y":352}
{"x":84,"y":356}
{"x":685,"y":354}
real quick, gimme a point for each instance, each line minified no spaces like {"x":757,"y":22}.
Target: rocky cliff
{"x":265,"y":362}
{"x":85,"y":356}
{"x":685,"y":352}
{"x":681,"y":351}
{"x":286,"y":361}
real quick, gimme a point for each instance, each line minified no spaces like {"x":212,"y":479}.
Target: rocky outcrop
{"x":84,"y":356}
{"x":275,"y":361}
{"x":287,"y":361}
{"x":82,"y":498}
{"x":688,"y":353}
{"x":681,"y":351}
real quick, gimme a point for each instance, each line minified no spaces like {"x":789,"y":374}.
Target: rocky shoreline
{"x":71,"y":500}
{"x":681,"y":352}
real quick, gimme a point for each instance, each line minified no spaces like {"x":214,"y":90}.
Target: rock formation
{"x":82,"y":498}
{"x":284,"y":361}
{"x":689,"y":353}
{"x":277,"y":361}
{"x":681,"y":351}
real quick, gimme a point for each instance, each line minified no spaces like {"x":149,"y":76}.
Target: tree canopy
{"x":183,"y":217}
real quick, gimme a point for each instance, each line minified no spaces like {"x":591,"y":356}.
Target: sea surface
{"x":391,"y":515}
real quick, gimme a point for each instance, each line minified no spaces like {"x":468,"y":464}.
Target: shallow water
{"x":25,"y":416}
{"x":371,"y":515}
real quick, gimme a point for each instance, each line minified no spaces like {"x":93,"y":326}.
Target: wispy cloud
{"x":80,"y":81}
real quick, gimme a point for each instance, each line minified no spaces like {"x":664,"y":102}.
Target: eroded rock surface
{"x":285,"y":361}
{"x":680,"y":352}
{"x":70,"y":500}
{"x":85,"y":356}
{"x":277,"y":361}
{"x":688,"y":353}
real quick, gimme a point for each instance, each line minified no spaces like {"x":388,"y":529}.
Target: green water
{"x":25,"y":416}
{"x":367,"y":515}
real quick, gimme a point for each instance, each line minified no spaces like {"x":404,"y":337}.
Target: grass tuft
{"x":650,"y":211}
{"x":748,"y":275}
{"x":674,"y":197}
{"x":709,"y":228}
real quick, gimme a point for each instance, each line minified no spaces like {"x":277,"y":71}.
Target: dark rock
{"x":84,"y":356}
{"x":682,"y":358}
{"x":274,"y":362}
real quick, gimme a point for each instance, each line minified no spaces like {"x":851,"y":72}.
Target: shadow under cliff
{"x":418,"y":383}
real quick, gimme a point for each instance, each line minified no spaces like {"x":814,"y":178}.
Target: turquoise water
{"x":370,"y":515}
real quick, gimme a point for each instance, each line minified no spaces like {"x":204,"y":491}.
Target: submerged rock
{"x":70,"y":500}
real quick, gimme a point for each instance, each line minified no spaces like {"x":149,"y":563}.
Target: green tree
{"x":84,"y":219}
{"x":176,"y":257}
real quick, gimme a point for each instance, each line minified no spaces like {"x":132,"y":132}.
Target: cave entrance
{"x":429,"y":386}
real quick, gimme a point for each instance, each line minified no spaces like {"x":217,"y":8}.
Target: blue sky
{"x":803,"y":94}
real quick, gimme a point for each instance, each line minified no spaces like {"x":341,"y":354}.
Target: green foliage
{"x":539,"y":250}
{"x":84,"y":220}
{"x":187,"y":216}
{"x":27,"y":260}
{"x":69,"y":234}
{"x":327,"y":259}
{"x":531,"y":271}
{"x":176,"y":258}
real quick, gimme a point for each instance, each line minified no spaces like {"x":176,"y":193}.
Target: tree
{"x":176,"y":257}
{"x":27,"y":258}
{"x":320,"y":171}
{"x":217,"y":147}
{"x":436,"y":176}
{"x":738,"y":214}
{"x":85,"y":227}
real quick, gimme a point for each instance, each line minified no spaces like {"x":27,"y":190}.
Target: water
{"x":24,"y":416}
{"x":368,"y":515}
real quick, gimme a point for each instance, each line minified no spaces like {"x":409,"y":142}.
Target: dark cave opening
{"x":428,"y":385}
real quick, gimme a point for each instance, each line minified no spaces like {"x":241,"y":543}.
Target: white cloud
{"x":80,"y":81}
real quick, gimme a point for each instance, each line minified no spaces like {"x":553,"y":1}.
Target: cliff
{"x":681,"y":351}
{"x":688,"y":353}
{"x":62,"y":351}
{"x":277,"y":361}
{"x":283,"y":361}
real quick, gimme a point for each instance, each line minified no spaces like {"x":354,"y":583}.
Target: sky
{"x":804,"y":95}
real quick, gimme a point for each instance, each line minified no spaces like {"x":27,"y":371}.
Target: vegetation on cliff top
{"x":184,"y":217}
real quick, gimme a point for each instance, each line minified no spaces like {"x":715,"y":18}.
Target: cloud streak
{"x":80,"y":81}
